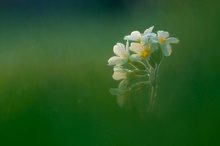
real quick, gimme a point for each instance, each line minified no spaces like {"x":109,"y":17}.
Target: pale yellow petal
{"x":114,"y":60}
{"x":119,"y":76}
{"x":149,"y":30}
{"x":136,"y":47}
{"x":163,"y":34}
{"x":172,"y":40}
{"x":119,"y":49}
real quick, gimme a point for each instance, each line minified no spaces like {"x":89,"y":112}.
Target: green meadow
{"x":55,"y":81}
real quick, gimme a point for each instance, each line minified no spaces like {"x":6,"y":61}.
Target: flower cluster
{"x":144,"y":53}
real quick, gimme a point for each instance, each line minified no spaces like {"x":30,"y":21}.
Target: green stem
{"x":154,"y":86}
{"x":134,"y":66}
{"x":153,"y":89}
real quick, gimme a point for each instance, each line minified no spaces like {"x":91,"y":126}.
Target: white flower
{"x":148,"y":34}
{"x":141,"y":50}
{"x":138,"y":37}
{"x":164,"y":40}
{"x":121,"y":95}
{"x":119,"y":73}
{"x":122,"y":55}
{"x":134,"y":36}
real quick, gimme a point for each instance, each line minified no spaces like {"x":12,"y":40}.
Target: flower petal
{"x":154,"y":40}
{"x":149,"y":30}
{"x":119,"y":73}
{"x":118,"y":68}
{"x":119,"y":49}
{"x":166,"y":49}
{"x":135,"y":57}
{"x":136,"y":47}
{"x":127,"y":37}
{"x":163,"y":34}
{"x":114,"y":60}
{"x":123,"y":84}
{"x":172,"y":40}
{"x":119,"y":76}
{"x":134,"y":36}
{"x":146,"y":37}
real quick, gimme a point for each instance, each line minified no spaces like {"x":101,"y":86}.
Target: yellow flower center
{"x":125,"y":56}
{"x":138,"y":40}
{"x":161,"y":40}
{"x":144,"y":52}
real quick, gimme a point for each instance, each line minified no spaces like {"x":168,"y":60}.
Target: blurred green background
{"x":54,"y":78}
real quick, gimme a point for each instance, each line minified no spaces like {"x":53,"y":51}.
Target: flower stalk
{"x":154,"y":86}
